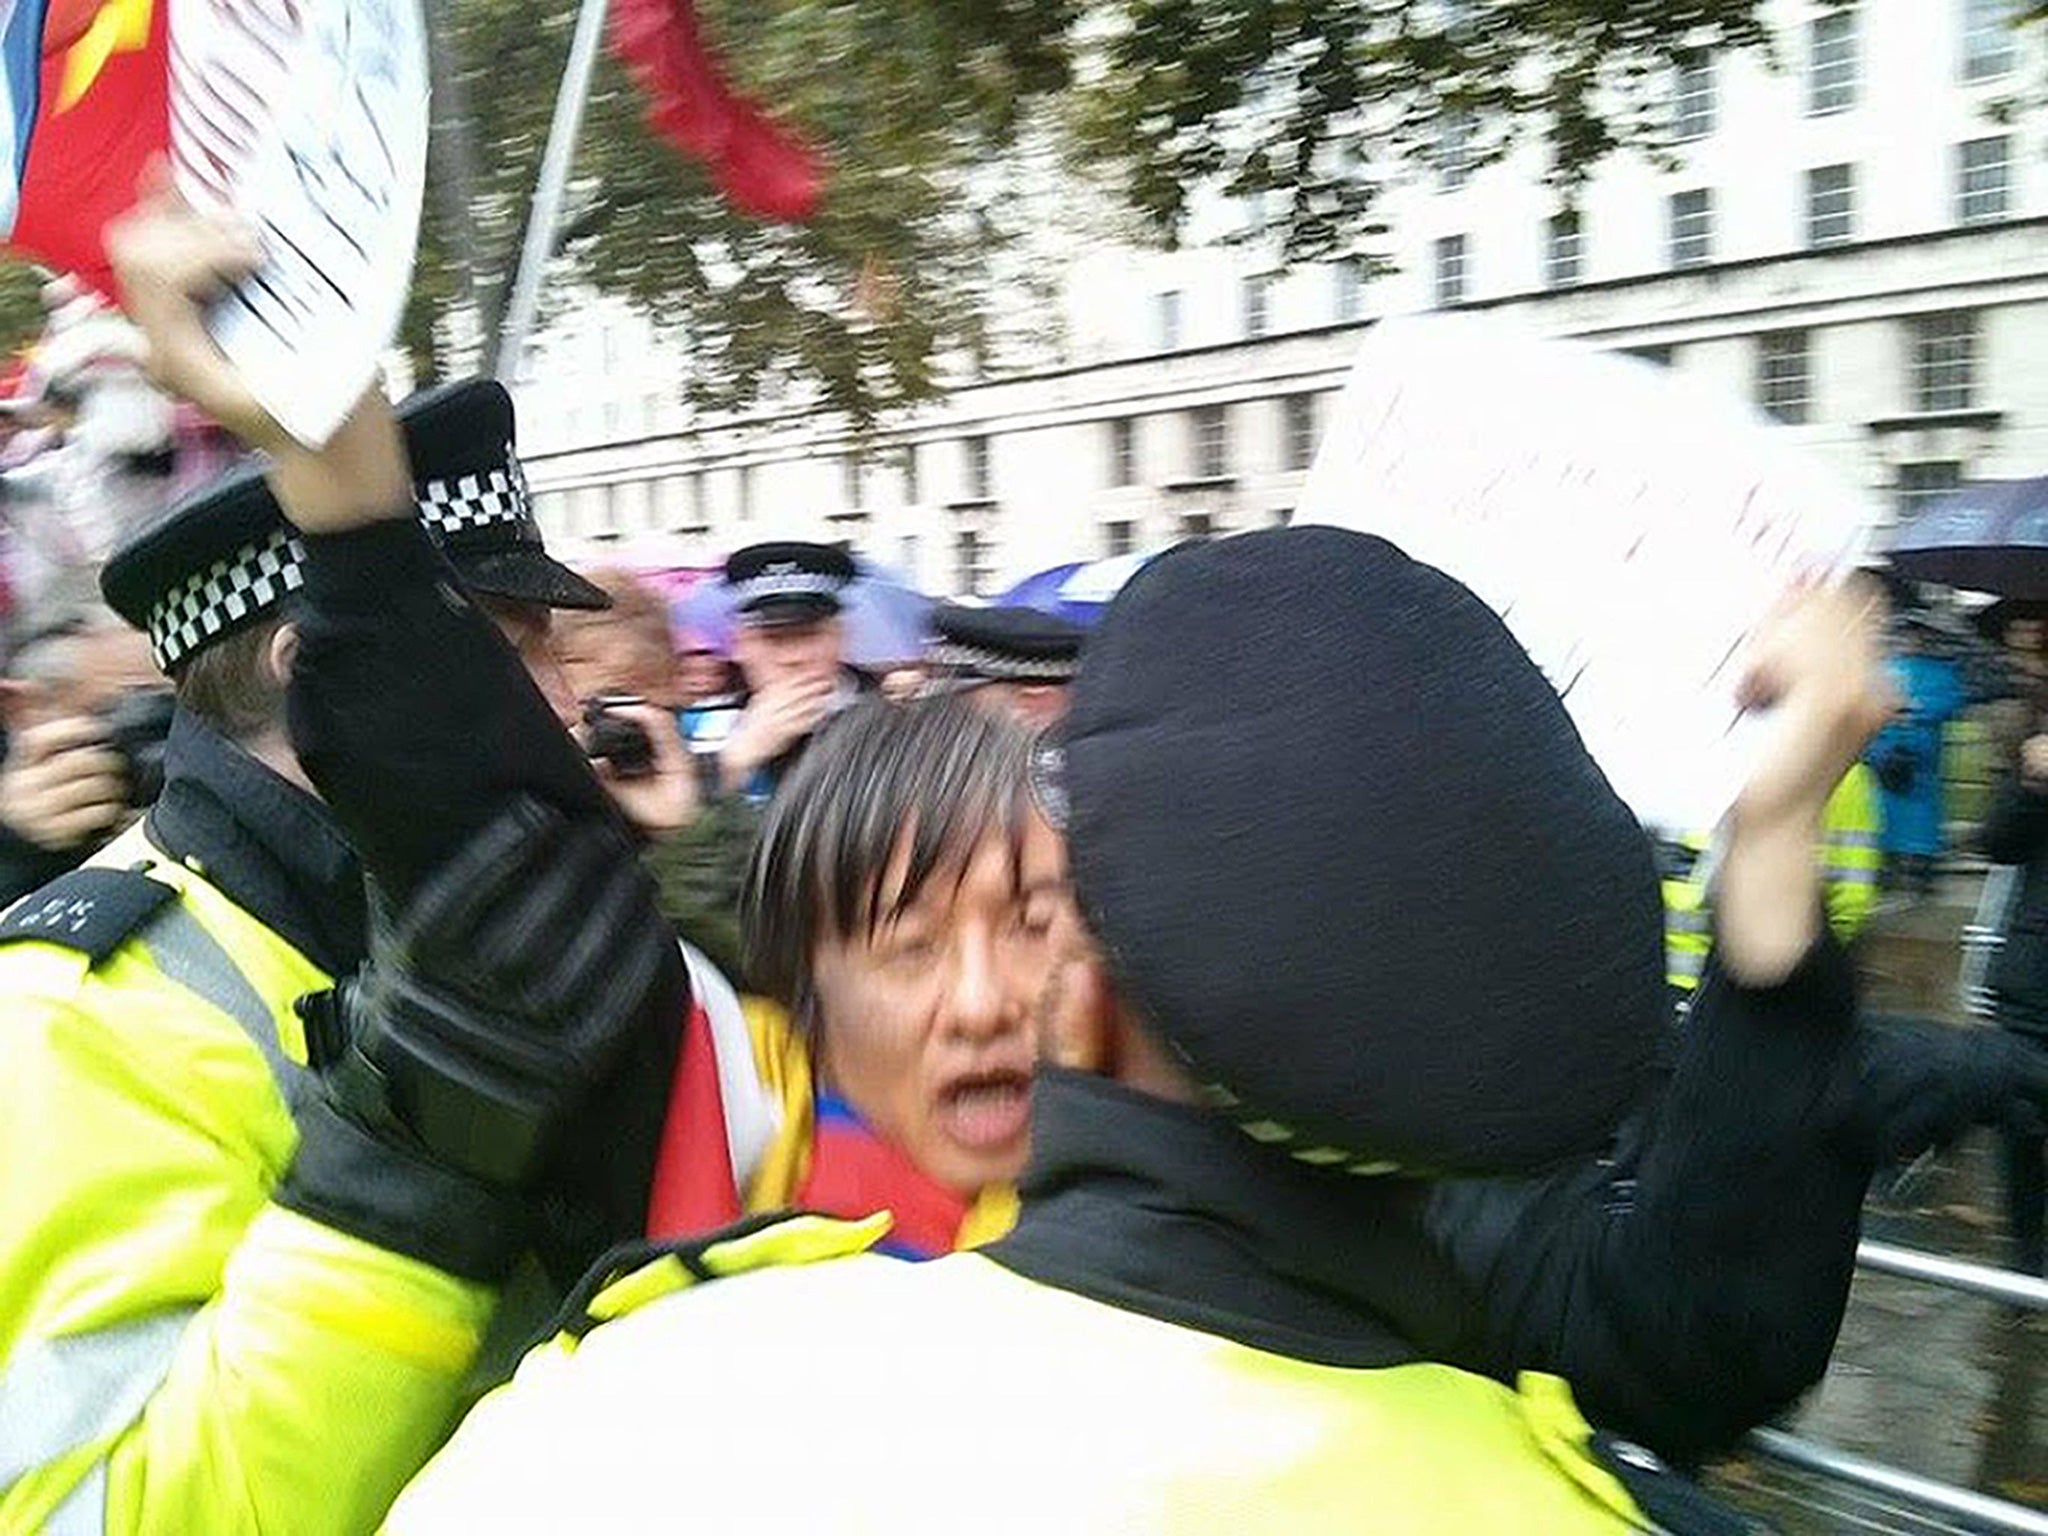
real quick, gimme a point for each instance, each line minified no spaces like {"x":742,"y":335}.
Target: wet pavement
{"x":1948,"y":1386}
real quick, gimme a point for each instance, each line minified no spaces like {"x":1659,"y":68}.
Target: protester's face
{"x":1036,"y":705}
{"x":527,"y":626}
{"x":788,"y":655}
{"x":599,"y":654}
{"x":921,"y":1027}
{"x":701,"y":675}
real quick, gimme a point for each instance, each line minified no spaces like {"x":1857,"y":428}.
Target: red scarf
{"x":852,"y":1172}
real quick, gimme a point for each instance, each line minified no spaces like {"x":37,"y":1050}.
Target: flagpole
{"x":555,"y":165}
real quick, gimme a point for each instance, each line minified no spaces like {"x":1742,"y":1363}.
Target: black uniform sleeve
{"x":419,"y":726}
{"x":410,"y":712}
{"x":27,"y":866}
{"x":1692,"y":1288}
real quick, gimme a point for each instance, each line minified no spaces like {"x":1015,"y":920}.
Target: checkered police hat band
{"x":998,"y":667}
{"x":775,"y":584}
{"x":492,"y":498}
{"x":225,"y":596}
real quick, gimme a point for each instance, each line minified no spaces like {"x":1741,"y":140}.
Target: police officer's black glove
{"x":1919,"y":1086}
{"x":489,"y":1012}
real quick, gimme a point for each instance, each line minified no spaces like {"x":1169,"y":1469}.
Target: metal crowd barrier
{"x":1978,"y":1511}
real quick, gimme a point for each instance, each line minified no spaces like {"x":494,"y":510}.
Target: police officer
{"x":791,"y":649}
{"x":1179,"y":1334}
{"x":1852,"y":862}
{"x":268,"y":1161}
{"x":1015,"y":660}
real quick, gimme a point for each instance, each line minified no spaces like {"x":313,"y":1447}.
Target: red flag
{"x":96,"y":127}
{"x":762,"y":168}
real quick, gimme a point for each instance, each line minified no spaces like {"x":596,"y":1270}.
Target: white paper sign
{"x":308,"y":118}
{"x":1631,"y":528}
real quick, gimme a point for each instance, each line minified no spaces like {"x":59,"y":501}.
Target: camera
{"x":616,"y":740}
{"x":138,"y":724}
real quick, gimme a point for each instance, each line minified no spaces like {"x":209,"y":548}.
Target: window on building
{"x":906,"y":556}
{"x":1453,"y":152}
{"x":1784,"y":382}
{"x":975,"y":450}
{"x":1692,"y":228}
{"x":1256,"y":208}
{"x":849,"y":528}
{"x":1983,"y":179}
{"x":1450,"y":271}
{"x":1166,"y":332}
{"x":1945,"y":362}
{"x":1123,"y":451}
{"x":1988,"y":41}
{"x":614,"y":418}
{"x":1927,"y":481}
{"x":594,"y":512}
{"x":1298,"y":431}
{"x":1831,"y":64}
{"x":743,"y":491}
{"x":1692,"y":98}
{"x":1209,"y":431}
{"x":1119,"y":538}
{"x":629,"y":506}
{"x":1258,"y":304}
{"x":1349,"y":279}
{"x":1830,"y":205}
{"x":678,"y":503}
{"x":1564,"y":250}
{"x":913,"y":489}
{"x":700,"y":500}
{"x":970,"y":561}
{"x":1197,"y":525}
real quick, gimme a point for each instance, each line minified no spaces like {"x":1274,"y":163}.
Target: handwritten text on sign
{"x":309,"y":119}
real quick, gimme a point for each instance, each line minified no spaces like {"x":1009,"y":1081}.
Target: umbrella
{"x":1077,"y":593}
{"x":1990,"y":537}
{"x":884,"y":616}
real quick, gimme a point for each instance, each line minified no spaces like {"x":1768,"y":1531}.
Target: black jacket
{"x":2016,"y":832}
{"x":420,"y":725}
{"x":27,"y":866}
{"x":1684,"y":1305}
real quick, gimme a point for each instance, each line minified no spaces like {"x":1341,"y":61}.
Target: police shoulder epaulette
{"x":91,"y":910}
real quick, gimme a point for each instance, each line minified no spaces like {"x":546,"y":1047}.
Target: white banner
{"x":1630,"y":528}
{"x":309,"y":119}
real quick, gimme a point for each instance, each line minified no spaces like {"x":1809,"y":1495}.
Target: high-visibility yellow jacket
{"x":1852,"y":859}
{"x":832,"y":1390}
{"x":177,"y":1354}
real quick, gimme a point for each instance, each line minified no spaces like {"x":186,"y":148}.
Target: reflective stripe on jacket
{"x":831,"y":1390}
{"x":176,"y":1354}
{"x":1852,"y":860}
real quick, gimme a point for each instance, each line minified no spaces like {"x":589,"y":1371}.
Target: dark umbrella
{"x":1988,"y":537}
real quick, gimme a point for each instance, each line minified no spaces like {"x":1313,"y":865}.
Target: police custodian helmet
{"x":1346,"y":853}
{"x":225,"y":557}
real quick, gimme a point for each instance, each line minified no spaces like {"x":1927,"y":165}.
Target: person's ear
{"x":283,"y":654}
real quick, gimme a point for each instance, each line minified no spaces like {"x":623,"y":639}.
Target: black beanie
{"x":1348,"y":856}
